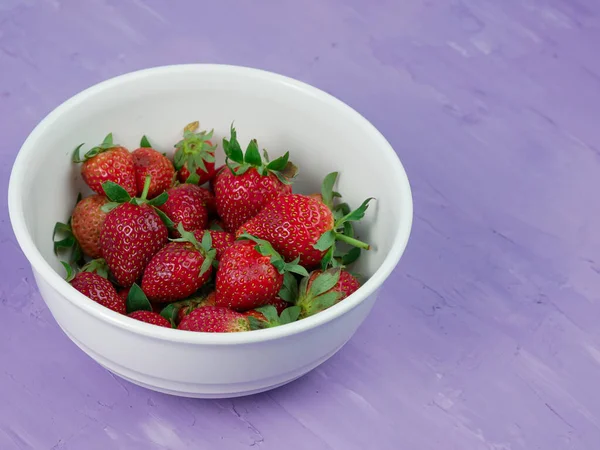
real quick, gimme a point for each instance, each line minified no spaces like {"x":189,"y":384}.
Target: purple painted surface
{"x":486,"y":337}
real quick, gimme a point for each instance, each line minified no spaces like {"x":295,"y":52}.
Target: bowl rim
{"x":43,"y":268}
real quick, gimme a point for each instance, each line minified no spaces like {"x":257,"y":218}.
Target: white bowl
{"x":322,"y":134}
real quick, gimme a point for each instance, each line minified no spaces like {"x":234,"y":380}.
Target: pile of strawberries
{"x":242,"y":253}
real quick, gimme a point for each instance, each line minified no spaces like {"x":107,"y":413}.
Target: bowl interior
{"x":321,"y":134}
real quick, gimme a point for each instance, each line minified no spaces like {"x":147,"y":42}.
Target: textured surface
{"x":485,"y":338}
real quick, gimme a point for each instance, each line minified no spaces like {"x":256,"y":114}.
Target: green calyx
{"x":240,"y":162}
{"x":266,"y":249}
{"x":171,"y":311}
{"x":97,"y":266}
{"x":269,"y":312}
{"x":118,"y":195}
{"x":319,"y":296}
{"x":106,"y":144}
{"x":65,"y":242}
{"x":343,"y":229}
{"x":194,"y":150}
{"x":205,"y":247}
{"x":137,"y":300}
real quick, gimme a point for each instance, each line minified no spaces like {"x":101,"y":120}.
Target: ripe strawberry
{"x":221,"y":241}
{"x":248,"y":184}
{"x":251,"y":274}
{"x":306,"y":227}
{"x":215,"y":319}
{"x":98,"y":289}
{"x":132,"y":233}
{"x":150,"y":317}
{"x":86,"y":223}
{"x":323,"y":289}
{"x":123,"y":293}
{"x":218,"y":170}
{"x":176,"y":311}
{"x":148,"y":161}
{"x":195,"y":155}
{"x":185,"y":205}
{"x":107,"y":162}
{"x":267,"y":316}
{"x":209,"y":201}
{"x":179,"y":269}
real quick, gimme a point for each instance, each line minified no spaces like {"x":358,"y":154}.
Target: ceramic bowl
{"x":321,"y":133}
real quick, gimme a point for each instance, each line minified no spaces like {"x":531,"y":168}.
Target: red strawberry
{"x":248,"y":185}
{"x":148,"y":161}
{"x":150,"y":317}
{"x":250,"y":274}
{"x":221,"y":241}
{"x":123,"y":293}
{"x":185,"y":205}
{"x":218,"y":170}
{"x":195,"y":153}
{"x":132,"y":233}
{"x":176,"y":311}
{"x":209,"y":201}
{"x":99,"y":289}
{"x":306,"y":227}
{"x":107,"y":162}
{"x":179,"y":269}
{"x":86,"y":222}
{"x":215,"y":319}
{"x":324,"y":289}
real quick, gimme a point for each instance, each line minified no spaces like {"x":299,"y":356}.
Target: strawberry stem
{"x":351,"y":241}
{"x":146,"y":187}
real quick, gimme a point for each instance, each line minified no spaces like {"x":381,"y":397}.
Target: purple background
{"x":487,"y":335}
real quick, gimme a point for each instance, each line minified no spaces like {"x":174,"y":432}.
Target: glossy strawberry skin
{"x":292,"y":224}
{"x":114,"y":165}
{"x":86,"y":223}
{"x":130,"y":237}
{"x":100,"y":290}
{"x":346,"y":285}
{"x":173,"y":273}
{"x":185,"y":205}
{"x":241,"y":197}
{"x":190,"y":305}
{"x":151,"y":318}
{"x":221,"y":240}
{"x":184,"y":172}
{"x":246,"y":279}
{"x":215,"y":319}
{"x":148,"y":161}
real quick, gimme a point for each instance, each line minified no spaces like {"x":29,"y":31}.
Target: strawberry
{"x":251,"y":274}
{"x":97,"y":288}
{"x":323,"y":289}
{"x":267,"y":316}
{"x":86,"y":223}
{"x":148,"y":161}
{"x":247,"y":184}
{"x":107,"y":162}
{"x":124,"y":293}
{"x":176,"y":311}
{"x":215,"y":319}
{"x":209,"y":201}
{"x":221,"y":241}
{"x":132,"y":233}
{"x":150,"y":317}
{"x":307,"y":227}
{"x":218,"y":170}
{"x":194,"y":156}
{"x":185,"y":205}
{"x":179,"y":269}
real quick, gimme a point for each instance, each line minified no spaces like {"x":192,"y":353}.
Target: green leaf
{"x":107,"y":142}
{"x":294,"y":267}
{"x":165,"y":219}
{"x":352,"y":255}
{"x":266,"y":155}
{"x":280,"y":163}
{"x":252,"y":156}
{"x":303,"y":288}
{"x":327,"y":188}
{"x":348,"y":229}
{"x":115,"y":193}
{"x":255,"y":324}
{"x":187,"y":236}
{"x":171,"y":313}
{"x":242,"y":169}
{"x":179,"y":159}
{"x":289,"y":315}
{"x":108,"y":207}
{"x":289,"y":289}
{"x":206,"y":265}
{"x":75,"y":157}
{"x":209,"y":157}
{"x":98,"y":266}
{"x":324,"y":282}
{"x":137,"y":300}
{"x":199,"y":163}
{"x":145,"y":143}
{"x":323,"y":302}
{"x":328,"y":258}
{"x":270,"y":313}
{"x":232,"y":148}
{"x":206,"y":241}
{"x":326,"y":240}
{"x":194,"y":178}
{"x":159,"y":200}
{"x":355,"y":215}
{"x":61,"y":228}
{"x":216,"y":227}
{"x":70,"y":271}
